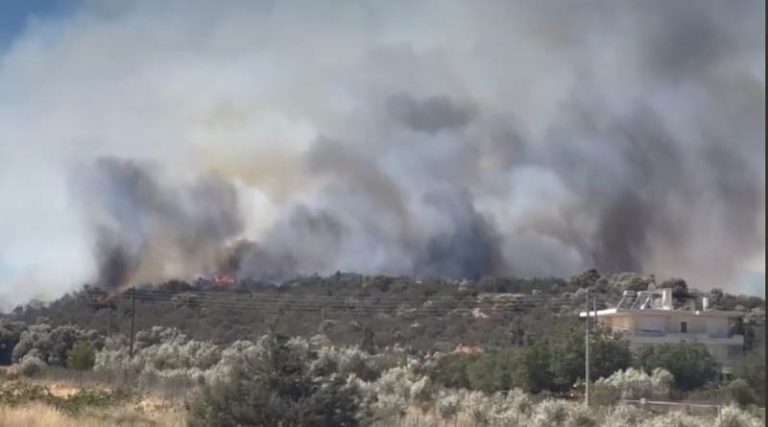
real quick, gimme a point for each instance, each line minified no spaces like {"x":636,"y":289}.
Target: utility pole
{"x":109,"y":319}
{"x":586,"y":354}
{"x":133,"y":317}
{"x":594,"y":304}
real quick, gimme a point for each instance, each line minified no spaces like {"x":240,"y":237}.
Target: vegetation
{"x":635,"y":384}
{"x":553,"y":364}
{"x":13,"y":393}
{"x":690,"y":363}
{"x":751,"y":372}
{"x":81,"y":357}
{"x":276,"y":387}
{"x":52,"y":345}
{"x":381,"y":351}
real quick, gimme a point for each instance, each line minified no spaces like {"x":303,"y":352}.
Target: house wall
{"x":651,"y":323}
{"x":621,"y":323}
{"x":647,"y":329}
{"x":717,"y":327}
{"x":668,"y":324}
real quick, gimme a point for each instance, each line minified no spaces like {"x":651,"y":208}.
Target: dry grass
{"x":147,"y":411}
{"x":40,"y":415}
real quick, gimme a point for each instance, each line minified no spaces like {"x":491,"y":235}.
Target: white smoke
{"x":430,"y":137}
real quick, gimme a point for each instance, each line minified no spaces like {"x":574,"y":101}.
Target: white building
{"x":648,"y":317}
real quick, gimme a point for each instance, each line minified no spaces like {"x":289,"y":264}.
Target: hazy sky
{"x":432,"y":137}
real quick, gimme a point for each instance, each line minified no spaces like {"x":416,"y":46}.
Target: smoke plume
{"x":446,"y":138}
{"x":143,"y":230}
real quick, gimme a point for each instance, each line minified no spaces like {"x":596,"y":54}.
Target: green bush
{"x":690,"y":363}
{"x":557,"y":363}
{"x":489,"y":372}
{"x":604,"y":394}
{"x":31,"y":365}
{"x":492,"y":372}
{"x":52,"y":344}
{"x":552,"y":364}
{"x":740,"y":392}
{"x":10,"y":333}
{"x":276,"y":388}
{"x":751,"y":369}
{"x":81,"y":357}
{"x":451,"y":370}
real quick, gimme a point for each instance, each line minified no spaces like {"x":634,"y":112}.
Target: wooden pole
{"x":594,"y":304}
{"x":133,"y":317}
{"x":586,"y":354}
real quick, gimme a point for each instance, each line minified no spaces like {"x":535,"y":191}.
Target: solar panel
{"x":642,"y":301}
{"x":626,"y":300}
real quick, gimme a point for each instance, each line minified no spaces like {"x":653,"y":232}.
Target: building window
{"x":683,"y":327}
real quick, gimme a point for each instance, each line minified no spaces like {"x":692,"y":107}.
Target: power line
{"x":244,"y":292}
{"x":269,"y":297}
{"x":288,"y":304}
{"x":495,"y":298}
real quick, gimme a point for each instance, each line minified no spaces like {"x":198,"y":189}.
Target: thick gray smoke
{"x":447,"y":138}
{"x":144,"y":230}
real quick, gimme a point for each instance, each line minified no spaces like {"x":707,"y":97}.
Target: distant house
{"x":648,"y":317}
{"x":467,"y":349}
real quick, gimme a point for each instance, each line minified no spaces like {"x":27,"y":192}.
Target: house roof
{"x":662,"y":312}
{"x":656,"y":302}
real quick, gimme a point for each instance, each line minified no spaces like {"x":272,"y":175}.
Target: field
{"x":83,"y":401}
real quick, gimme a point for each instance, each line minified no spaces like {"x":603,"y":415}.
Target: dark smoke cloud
{"x":471,"y":249}
{"x":144,"y":230}
{"x":431,"y":114}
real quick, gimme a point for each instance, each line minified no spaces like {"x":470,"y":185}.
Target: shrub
{"x":690,"y":363}
{"x":451,"y":370}
{"x":275,"y":388}
{"x":421,"y":392}
{"x":10,"y":333}
{"x":479,"y":407}
{"x":731,"y":416}
{"x":345,"y":361}
{"x":31,"y":365}
{"x":624,"y":416}
{"x":393,"y":392}
{"x":81,"y":357}
{"x":604,"y":394}
{"x":635,"y":384}
{"x":550,"y":412}
{"x":17,"y":393}
{"x":491,"y":372}
{"x":87,"y":398}
{"x":533,"y":373}
{"x":673,"y":419}
{"x":448,"y":404}
{"x":53,"y":344}
{"x":740,"y":392}
{"x":581,"y":416}
{"x":13,"y":393}
{"x":752,"y":370}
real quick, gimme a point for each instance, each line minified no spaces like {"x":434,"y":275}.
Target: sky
{"x":15,"y":15}
{"x":144,"y":140}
